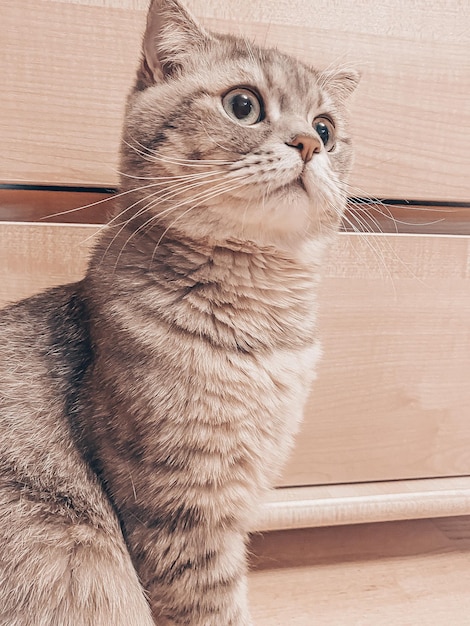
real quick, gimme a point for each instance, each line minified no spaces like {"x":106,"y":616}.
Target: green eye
{"x":326,"y":131}
{"x":243,"y":106}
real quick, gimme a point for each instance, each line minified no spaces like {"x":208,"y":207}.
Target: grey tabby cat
{"x":145,"y":410}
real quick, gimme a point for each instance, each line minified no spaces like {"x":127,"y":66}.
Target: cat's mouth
{"x":297,"y":184}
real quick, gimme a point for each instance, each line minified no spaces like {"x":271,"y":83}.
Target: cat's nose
{"x":307,"y":145}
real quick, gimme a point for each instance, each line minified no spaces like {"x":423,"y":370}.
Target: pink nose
{"x":307,"y":145}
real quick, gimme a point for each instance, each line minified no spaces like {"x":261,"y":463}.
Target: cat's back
{"x":44,"y":350}
{"x":44,"y":355}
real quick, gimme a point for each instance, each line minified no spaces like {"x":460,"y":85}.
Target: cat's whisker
{"x":365,"y":221}
{"x":165,"y":197}
{"x":182,"y":181}
{"x":113,"y":221}
{"x":362,"y":228}
{"x":113,"y":197}
{"x":179,"y":160}
{"x":385,"y":241}
{"x":361,"y":194}
{"x":363,"y":215}
{"x":106,"y":226}
{"x":388,"y":215}
{"x":373,"y":245}
{"x":368,"y":204}
{"x":194,"y":175}
{"x":249,"y":47}
{"x":154,"y":155}
{"x":220,"y":189}
{"x":359,"y":228}
{"x":160,"y":158}
{"x":211,"y":197}
{"x":366,"y":211}
{"x":336,"y":65}
{"x":358,"y":197}
{"x":87,"y":206}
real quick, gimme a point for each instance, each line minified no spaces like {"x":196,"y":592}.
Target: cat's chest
{"x":233,"y":299}
{"x":229,"y":412}
{"x":182,"y":399}
{"x":216,"y":353}
{"x":191,"y":381}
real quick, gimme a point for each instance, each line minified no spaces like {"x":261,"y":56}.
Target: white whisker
{"x":154,"y":156}
{"x":174,"y":191}
{"x":219,"y":193}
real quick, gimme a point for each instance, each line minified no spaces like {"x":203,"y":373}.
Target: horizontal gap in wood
{"x":58,"y":188}
{"x":337,"y":505}
{"x":94,"y":205}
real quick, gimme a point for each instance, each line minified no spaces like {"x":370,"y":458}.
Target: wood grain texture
{"x":392,"y":398}
{"x":360,"y":503}
{"x":34,"y":257}
{"x":399,"y":574}
{"x":67,"y":64}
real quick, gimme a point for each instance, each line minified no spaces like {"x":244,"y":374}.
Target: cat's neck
{"x":235,"y":293}
{"x":132,"y":245}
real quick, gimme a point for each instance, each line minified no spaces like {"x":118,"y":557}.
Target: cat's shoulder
{"x":37,"y":315}
{"x":44,"y":333}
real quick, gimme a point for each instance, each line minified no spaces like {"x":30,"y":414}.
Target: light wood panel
{"x":36,"y":256}
{"x":67,"y":64}
{"x":392,"y":399}
{"x":401,"y":574}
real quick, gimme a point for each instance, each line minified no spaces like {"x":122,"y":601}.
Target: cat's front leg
{"x":193,"y":576}
{"x":56,"y":571}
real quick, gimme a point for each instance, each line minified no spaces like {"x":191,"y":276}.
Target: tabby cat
{"x":145,"y":410}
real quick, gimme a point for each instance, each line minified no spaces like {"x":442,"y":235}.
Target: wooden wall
{"x":66,"y":66}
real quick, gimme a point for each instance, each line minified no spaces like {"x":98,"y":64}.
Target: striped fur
{"x":145,"y":410}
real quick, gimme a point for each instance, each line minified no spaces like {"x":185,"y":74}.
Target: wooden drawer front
{"x":392,"y":400}
{"x":66,"y":66}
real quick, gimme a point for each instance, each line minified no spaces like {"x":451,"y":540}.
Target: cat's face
{"x":228,"y":140}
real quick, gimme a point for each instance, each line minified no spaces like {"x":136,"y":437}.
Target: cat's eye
{"x":326,"y":131}
{"x":243,"y":106}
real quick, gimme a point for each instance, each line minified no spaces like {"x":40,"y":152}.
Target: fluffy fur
{"x":145,"y":410}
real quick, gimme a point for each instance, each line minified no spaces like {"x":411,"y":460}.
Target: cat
{"x":145,"y":410}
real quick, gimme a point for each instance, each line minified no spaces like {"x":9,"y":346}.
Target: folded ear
{"x":171,"y":37}
{"x":340,"y":83}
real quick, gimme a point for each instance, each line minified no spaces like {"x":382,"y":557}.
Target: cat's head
{"x":223,"y":139}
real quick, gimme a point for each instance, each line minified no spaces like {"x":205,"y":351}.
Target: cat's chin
{"x":299,"y":210}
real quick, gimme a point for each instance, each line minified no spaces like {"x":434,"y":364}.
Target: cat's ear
{"x":340,"y":83}
{"x":171,"y":37}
